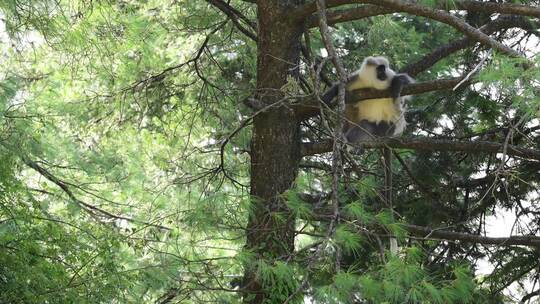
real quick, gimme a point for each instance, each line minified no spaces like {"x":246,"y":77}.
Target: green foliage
{"x":401,"y":280}
{"x":448,"y":4}
{"x":347,"y":238}
{"x":300,"y":208}
{"x":356,"y":210}
{"x":513,"y":78}
{"x":125,"y":170}
{"x":50,"y":259}
{"x":381,"y":36}
{"x":279,"y":279}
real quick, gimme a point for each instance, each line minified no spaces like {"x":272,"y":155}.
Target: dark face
{"x":381,"y":72}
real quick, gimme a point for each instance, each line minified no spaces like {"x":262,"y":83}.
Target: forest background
{"x":169,"y":151}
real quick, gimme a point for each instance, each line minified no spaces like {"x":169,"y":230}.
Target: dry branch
{"x":435,"y":14}
{"x":428,"y":60}
{"x":428,"y":144}
{"x":472,"y":6}
{"x":90,"y":209}
{"x":492,"y":7}
{"x":235,"y":16}
{"x":444,"y":17}
{"x":338,"y":16}
{"x":428,"y":233}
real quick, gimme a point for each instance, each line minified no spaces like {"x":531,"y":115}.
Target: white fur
{"x":379,"y":109}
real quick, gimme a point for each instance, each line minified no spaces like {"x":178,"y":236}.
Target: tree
{"x":179,"y":152}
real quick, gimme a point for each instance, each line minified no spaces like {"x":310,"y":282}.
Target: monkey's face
{"x":381,"y":72}
{"x":376,"y":73}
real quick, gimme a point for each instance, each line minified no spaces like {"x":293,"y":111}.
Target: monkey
{"x":366,"y":119}
{"x":375,"y":117}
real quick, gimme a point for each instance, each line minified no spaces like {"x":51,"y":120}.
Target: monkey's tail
{"x":388,"y":195}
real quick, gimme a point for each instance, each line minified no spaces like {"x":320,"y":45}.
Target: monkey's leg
{"x":359,"y":132}
{"x":384,"y":128}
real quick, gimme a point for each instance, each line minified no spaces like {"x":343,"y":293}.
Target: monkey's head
{"x":375,"y":71}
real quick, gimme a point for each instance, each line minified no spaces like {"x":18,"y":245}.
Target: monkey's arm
{"x":331,"y":93}
{"x":397,"y":84}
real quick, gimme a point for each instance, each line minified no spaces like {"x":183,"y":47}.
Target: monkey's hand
{"x":397,"y":84}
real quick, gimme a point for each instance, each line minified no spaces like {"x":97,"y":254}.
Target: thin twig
{"x":474,"y":71}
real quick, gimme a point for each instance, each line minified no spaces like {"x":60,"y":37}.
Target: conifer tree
{"x":168,"y":151}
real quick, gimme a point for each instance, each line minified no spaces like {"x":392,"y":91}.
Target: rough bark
{"x":275,"y":152}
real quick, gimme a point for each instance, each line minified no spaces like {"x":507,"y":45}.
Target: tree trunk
{"x":275,"y":144}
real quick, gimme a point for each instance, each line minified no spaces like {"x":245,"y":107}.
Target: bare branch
{"x":435,"y":14}
{"x":411,"y":89}
{"x":322,"y":214}
{"x":444,"y":17}
{"x":311,"y":7}
{"x":428,"y":144}
{"x":93,"y":210}
{"x":429,"y":233}
{"x":235,"y":15}
{"x":443,"y":51}
{"x":529,"y":296}
{"x":338,"y":16}
{"x":473,"y":6}
{"x":338,"y":144}
{"x":492,"y":7}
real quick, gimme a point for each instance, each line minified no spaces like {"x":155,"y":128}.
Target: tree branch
{"x":437,"y":14}
{"x":338,"y":129}
{"x":492,"y":7}
{"x":529,"y":296}
{"x":443,"y":51}
{"x":234,"y":15}
{"x":309,"y":8}
{"x":338,"y":16}
{"x":411,"y":89}
{"x":428,"y":144}
{"x":428,"y":233}
{"x":444,"y":17}
{"x":85,"y":206}
{"x":322,"y":214}
{"x":310,"y":106}
{"x":473,"y":6}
